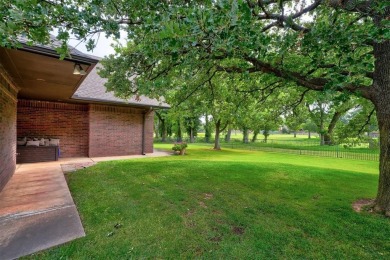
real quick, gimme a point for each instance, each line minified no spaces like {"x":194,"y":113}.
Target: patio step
{"x":29,"y":232}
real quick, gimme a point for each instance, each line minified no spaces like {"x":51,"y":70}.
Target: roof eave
{"x":103,"y":101}
{"x":53,"y":53}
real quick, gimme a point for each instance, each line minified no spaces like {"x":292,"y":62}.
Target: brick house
{"x":40,"y":96}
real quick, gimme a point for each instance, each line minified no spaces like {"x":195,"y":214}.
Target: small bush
{"x":180,"y":147}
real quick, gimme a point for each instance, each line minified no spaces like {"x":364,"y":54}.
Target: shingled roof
{"x":93,"y":89}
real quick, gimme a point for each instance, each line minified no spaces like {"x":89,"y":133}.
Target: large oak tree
{"x":321,"y":45}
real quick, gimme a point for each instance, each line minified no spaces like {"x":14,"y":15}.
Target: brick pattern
{"x":87,"y":130}
{"x":68,"y":122}
{"x":149,"y":132}
{"x":7,"y":129}
{"x":116,"y":131}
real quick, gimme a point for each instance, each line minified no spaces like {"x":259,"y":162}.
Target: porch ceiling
{"x":42,"y":76}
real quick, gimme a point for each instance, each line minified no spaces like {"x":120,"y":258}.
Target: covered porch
{"x":33,"y":73}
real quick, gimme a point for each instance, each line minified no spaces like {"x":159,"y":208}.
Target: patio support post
{"x":144,"y":114}
{"x":143,"y":132}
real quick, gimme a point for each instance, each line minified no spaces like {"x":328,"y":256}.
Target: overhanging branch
{"x":367,"y":122}
{"x":282,"y":20}
{"x":312,"y":83}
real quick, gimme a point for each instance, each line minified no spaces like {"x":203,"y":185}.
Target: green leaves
{"x":177,"y":41}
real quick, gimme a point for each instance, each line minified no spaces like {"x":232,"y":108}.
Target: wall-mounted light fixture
{"x":78,"y":70}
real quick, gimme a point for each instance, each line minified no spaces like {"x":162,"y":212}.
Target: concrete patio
{"x":36,"y":208}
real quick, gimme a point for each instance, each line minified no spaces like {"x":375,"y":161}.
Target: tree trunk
{"x":309,"y":135}
{"x":295,"y":134}
{"x":321,"y":126}
{"x":179,"y":135}
{"x":217,"y":145}
{"x":228,"y":135}
{"x":382,"y":202}
{"x":327,"y":139}
{"x":381,"y":100}
{"x":191,"y":135}
{"x":255,"y":134}
{"x":162,"y":127}
{"x":245,"y":138}
{"x":156,"y":129}
{"x":328,"y":136}
{"x":169,"y":130}
{"x":266,"y":134}
{"x":322,"y":139}
{"x":163,"y":131}
{"x":207,"y":132}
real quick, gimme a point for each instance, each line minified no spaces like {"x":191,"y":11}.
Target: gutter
{"x":84,"y":60}
{"x":144,"y":114}
{"x":118,"y":102}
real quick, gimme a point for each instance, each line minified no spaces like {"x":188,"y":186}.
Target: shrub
{"x":180,"y":147}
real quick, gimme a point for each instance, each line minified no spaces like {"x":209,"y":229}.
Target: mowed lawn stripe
{"x":226,"y":204}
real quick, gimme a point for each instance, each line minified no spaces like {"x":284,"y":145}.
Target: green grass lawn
{"x":310,"y":148}
{"x":229,"y":204}
{"x":300,"y":142}
{"x":237,"y":135}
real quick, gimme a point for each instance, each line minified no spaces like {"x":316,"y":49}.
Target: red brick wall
{"x":68,"y":122}
{"x":86,"y":130}
{"x":117,"y":131}
{"x":149,"y":131}
{"x":7,"y":129}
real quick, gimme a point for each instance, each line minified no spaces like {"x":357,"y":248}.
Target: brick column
{"x":8,"y":101}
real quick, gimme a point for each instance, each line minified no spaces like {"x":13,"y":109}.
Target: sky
{"x":103,"y":47}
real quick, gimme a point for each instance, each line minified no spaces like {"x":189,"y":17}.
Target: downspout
{"x":144,"y":114}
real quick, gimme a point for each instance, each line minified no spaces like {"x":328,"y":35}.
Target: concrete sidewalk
{"x":36,"y":211}
{"x":36,"y":208}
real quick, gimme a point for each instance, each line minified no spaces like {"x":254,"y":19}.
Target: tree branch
{"x":287,"y":21}
{"x":198,"y":86}
{"x":259,"y":89}
{"x":294,"y":105}
{"x":353,"y":5}
{"x":317,"y":84}
{"x":367,"y":122}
